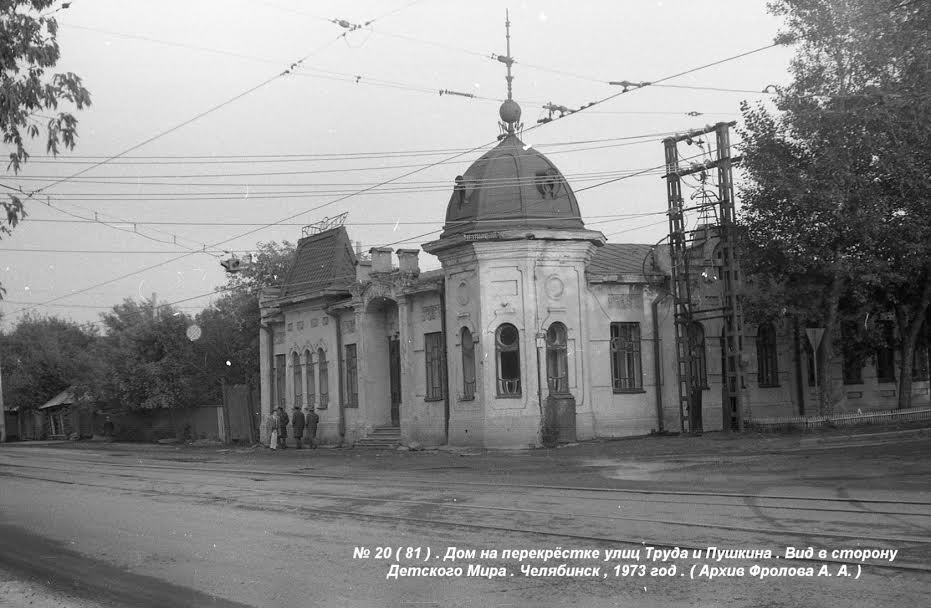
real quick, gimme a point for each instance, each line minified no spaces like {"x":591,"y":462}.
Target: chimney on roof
{"x":381,"y":259}
{"x":408,"y":262}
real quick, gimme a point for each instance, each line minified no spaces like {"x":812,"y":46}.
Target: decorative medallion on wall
{"x":300,"y":325}
{"x":326,"y":320}
{"x":555,"y":287}
{"x":314,"y":322}
{"x":349,"y":326}
{"x":462,"y":293}
{"x":430,"y":312}
{"x":279,"y":337}
{"x":290,"y":326}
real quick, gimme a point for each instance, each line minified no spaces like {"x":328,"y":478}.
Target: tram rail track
{"x":243,"y":502}
{"x":612,"y":492}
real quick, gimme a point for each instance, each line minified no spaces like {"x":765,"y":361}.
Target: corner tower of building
{"x":514,"y":251}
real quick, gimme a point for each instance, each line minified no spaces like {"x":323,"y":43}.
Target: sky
{"x":216,"y":125}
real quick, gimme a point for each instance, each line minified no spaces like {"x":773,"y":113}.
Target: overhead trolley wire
{"x":597,"y":219}
{"x":294,"y":216}
{"x":331,"y":156}
{"x":160,"y":135}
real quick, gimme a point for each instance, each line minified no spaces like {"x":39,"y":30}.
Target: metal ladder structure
{"x":688,"y":310}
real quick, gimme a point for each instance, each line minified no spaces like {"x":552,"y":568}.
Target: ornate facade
{"x":534,"y":331}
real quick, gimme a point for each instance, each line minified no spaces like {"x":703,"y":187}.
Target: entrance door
{"x":394,"y":373}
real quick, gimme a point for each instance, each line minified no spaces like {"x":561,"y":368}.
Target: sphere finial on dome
{"x":509,"y":112}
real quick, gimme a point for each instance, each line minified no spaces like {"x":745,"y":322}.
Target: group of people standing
{"x":299,"y":423}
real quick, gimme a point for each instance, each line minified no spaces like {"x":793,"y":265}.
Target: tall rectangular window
{"x":920,"y":360}
{"x":309,"y":376}
{"x":436,"y":366}
{"x":885,"y":354}
{"x":324,"y":378}
{"x":298,"y":380}
{"x":767,"y":359}
{"x":810,"y":362}
{"x":352,"y":377}
{"x":853,"y":356}
{"x":626,"y":369}
{"x":279,"y":386}
{"x":468,"y":364}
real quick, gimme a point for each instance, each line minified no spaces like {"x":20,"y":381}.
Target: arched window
{"x":324,"y":379}
{"x":699,"y":367}
{"x":309,"y":376}
{"x":766,"y":358}
{"x":298,"y":383}
{"x":468,"y":364}
{"x":557,"y":366}
{"x":507,"y":347}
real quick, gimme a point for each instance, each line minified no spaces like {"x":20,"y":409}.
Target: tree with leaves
{"x":230,"y":326}
{"x":43,"y":356}
{"x":148,"y":359}
{"x":836,"y":202}
{"x":30,"y":95}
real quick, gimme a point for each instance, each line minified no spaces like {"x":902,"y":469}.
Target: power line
{"x":287,"y":71}
{"x":87,"y":306}
{"x":375,"y":187}
{"x":293,"y":216}
{"x":392,"y":223}
{"x":214,"y":108}
{"x":630,"y":141}
{"x":260,"y":190}
{"x":325,"y":156}
{"x":132,"y":230}
{"x":598,"y":219}
{"x":637,"y":228}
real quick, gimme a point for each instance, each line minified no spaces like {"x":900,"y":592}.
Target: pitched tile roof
{"x":621,"y":258}
{"x":322,"y":261}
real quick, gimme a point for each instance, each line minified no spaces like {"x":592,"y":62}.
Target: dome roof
{"x":511,"y":187}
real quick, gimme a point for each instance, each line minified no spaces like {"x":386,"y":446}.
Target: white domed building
{"x":535,"y":331}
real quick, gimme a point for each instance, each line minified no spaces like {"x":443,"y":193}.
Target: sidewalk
{"x":640,"y":448}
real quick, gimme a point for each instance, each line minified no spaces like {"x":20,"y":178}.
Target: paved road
{"x":119,"y":525}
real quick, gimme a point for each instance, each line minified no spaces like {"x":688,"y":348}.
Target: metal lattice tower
{"x":689,"y":310}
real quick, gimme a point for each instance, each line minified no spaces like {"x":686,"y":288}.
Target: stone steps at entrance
{"x":381,"y":437}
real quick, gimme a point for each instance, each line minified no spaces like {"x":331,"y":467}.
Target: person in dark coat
{"x":282,"y":428}
{"x":297,"y":425}
{"x":312,"y":420}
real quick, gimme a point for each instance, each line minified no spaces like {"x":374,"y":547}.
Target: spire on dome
{"x":509,"y":110}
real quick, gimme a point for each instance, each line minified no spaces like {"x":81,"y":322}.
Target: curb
{"x":865,"y":436}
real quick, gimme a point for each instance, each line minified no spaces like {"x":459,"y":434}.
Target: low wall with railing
{"x":804,"y":423}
